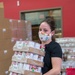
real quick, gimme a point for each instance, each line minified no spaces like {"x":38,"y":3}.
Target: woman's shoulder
{"x":54,"y":43}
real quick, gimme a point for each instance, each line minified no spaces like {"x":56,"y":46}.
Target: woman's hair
{"x":51,"y":22}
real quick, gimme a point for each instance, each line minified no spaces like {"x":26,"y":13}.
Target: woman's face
{"x":44,"y":28}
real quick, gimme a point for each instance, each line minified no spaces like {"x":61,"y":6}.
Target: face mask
{"x":44,"y":37}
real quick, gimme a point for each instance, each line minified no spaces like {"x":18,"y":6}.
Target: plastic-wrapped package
{"x":21,"y":30}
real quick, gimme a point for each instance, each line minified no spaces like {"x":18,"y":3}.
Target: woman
{"x":53,"y":52}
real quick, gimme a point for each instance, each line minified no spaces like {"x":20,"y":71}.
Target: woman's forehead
{"x":44,"y":25}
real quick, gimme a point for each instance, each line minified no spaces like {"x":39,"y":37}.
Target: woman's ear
{"x":53,"y":32}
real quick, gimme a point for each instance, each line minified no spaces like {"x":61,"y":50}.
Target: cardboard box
{"x":13,"y":24}
{"x":21,"y":24}
{"x":31,"y":73}
{"x":14,"y":34}
{"x":21,"y":29}
{"x":6,"y":33}
{"x":1,"y":35}
{"x":6,"y":54}
{"x":6,"y":44}
{"x":16,"y":71}
{"x":21,"y":33}
{"x":28,"y":30}
{"x":28,"y":61}
{"x":30,"y":49}
{"x":26,"y":72}
{"x":1,"y":13}
{"x":4,"y":66}
{"x":5,"y":23}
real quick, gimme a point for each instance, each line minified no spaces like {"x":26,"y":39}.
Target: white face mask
{"x":44,"y":37}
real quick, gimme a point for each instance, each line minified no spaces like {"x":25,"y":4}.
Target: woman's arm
{"x":56,"y":66}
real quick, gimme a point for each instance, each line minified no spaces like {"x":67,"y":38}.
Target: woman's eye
{"x":45,"y":30}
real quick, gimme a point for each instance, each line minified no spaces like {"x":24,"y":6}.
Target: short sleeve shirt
{"x":52,"y":49}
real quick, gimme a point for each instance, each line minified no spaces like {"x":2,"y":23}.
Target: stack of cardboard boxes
{"x":10,"y":31}
{"x":27,"y":58}
{"x":6,"y":44}
{"x":68,"y":48}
